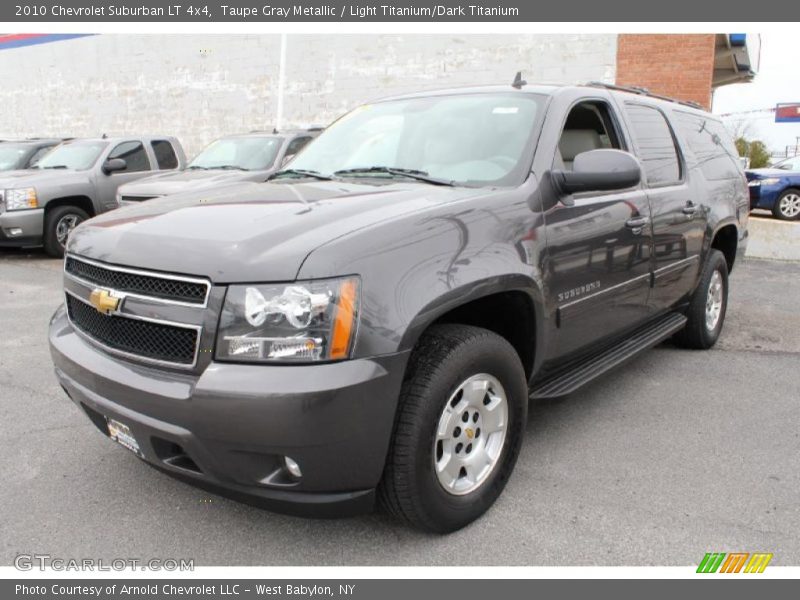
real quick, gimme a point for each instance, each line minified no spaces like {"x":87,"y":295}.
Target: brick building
{"x":686,"y":66}
{"x":199,"y":87}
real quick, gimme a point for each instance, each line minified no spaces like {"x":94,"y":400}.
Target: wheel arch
{"x":510,"y":306}
{"x":79,"y":201}
{"x":725,"y":238}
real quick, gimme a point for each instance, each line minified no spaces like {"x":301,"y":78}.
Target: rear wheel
{"x":58,"y":224}
{"x":787,"y":206}
{"x":706,"y":312}
{"x":458,"y":431}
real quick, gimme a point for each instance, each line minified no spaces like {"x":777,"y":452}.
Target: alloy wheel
{"x":471,"y":434}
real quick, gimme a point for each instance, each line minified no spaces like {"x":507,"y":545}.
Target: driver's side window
{"x":134,"y":154}
{"x":589,"y":126}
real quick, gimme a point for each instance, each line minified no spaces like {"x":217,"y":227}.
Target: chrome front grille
{"x":146,"y":339}
{"x":176,"y":289}
{"x":145,"y":316}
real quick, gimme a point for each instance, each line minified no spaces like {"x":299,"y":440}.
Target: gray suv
{"x":371,"y":322}
{"x":75,"y":181}
{"x":231,"y":159}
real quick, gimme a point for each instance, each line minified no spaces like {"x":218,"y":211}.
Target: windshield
{"x":13,"y":156}
{"x":471,"y":139}
{"x":74,"y":155}
{"x":246,"y":153}
{"x":789,"y":164}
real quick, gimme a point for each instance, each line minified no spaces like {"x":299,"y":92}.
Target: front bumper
{"x":21,"y":227}
{"x":229,"y":428}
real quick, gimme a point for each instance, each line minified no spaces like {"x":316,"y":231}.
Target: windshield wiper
{"x":192,"y":167}
{"x":397,"y":172}
{"x":227,"y":168}
{"x":301,"y":173}
{"x":54,"y":167}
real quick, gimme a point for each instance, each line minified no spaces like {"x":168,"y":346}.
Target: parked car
{"x":249,"y":157}
{"x":777,"y":189}
{"x":372,"y":321}
{"x":24,"y":154}
{"x":76,"y":181}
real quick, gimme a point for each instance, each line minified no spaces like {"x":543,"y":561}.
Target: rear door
{"x":598,"y":249}
{"x":678,"y":209}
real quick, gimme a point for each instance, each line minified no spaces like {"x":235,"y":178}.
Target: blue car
{"x":777,"y":189}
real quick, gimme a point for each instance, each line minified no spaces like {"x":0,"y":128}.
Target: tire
{"x":698,"y":333}
{"x":448,"y":360}
{"x":787,"y":206}
{"x":54,"y":221}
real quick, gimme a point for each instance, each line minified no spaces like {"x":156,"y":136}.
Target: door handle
{"x":690,"y":208}
{"x":637,"y":222}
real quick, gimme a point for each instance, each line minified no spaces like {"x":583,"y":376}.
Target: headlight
{"x":300,"y":322}
{"x":766,"y":181}
{"x":21,"y":198}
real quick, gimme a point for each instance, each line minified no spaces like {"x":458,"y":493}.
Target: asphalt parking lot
{"x":673,"y":455}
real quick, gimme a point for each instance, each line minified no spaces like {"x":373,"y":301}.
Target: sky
{"x":778,"y":80}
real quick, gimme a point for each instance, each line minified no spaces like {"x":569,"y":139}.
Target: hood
{"x":34,"y":177}
{"x":175,"y":182}
{"x":249,"y":232}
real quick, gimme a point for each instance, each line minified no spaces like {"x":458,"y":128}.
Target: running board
{"x":583,"y":372}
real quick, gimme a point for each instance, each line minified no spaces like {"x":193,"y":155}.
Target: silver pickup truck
{"x":74,"y":182}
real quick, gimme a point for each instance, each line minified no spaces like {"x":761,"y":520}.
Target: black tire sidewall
{"x":53,"y":216}
{"x":447,"y":511}
{"x":716,"y":262}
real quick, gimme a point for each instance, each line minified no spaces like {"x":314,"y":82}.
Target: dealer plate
{"x":121,"y":433}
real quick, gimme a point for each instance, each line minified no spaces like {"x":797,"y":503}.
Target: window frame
{"x":615,"y":122}
{"x":614,"y":118}
{"x":682,"y":166}
{"x":128,"y":171}
{"x":155,"y":154}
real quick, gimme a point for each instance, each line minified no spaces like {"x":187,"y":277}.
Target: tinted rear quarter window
{"x":712,"y":145}
{"x":165,"y":154}
{"x":655,"y":144}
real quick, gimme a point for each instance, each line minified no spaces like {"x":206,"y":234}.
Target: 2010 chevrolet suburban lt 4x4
{"x":372,"y":321}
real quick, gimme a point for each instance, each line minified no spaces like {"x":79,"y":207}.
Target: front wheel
{"x":58,"y":224}
{"x":787,"y":206}
{"x":458,"y":431}
{"x":706,"y":312}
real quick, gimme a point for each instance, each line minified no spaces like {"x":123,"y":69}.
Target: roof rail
{"x":643,"y":91}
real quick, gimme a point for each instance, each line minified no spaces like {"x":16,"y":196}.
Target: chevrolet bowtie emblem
{"x":103,"y":301}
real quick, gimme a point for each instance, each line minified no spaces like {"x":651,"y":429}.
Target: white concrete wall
{"x":199,"y":87}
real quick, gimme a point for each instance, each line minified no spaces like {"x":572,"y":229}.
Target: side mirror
{"x":113,"y":165}
{"x":599,"y":171}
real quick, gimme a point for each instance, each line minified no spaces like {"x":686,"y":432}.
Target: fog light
{"x":14,"y":231}
{"x":292,"y":467}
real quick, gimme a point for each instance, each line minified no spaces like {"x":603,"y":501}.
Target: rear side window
{"x":165,"y":154}
{"x":712,"y":146}
{"x":134,"y":155}
{"x":656,"y":145}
